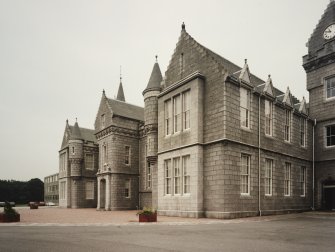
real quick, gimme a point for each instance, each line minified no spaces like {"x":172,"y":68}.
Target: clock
{"x":329,"y":33}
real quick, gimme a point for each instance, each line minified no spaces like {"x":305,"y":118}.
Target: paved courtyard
{"x":55,"y":229}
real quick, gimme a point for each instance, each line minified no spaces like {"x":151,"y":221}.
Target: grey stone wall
{"x":323,"y":171}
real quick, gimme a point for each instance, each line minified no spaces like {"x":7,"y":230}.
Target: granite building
{"x":213,"y":140}
{"x":51,"y":190}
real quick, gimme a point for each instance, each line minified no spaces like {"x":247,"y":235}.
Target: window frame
{"x":302,"y":181}
{"x":127,"y":188}
{"x":167,"y":177}
{"x":186,"y":180}
{"x":89,"y":192}
{"x":330,"y":88}
{"x":186,"y":110}
{"x":92,"y":162}
{"x":247,"y":109}
{"x":268,"y":118}
{"x":176,"y":176}
{"x":177,"y":113}
{"x":303,"y":132}
{"x":268,"y":177}
{"x":245,"y":175}
{"x":168,"y":115}
{"x":127,"y":155}
{"x":288,"y":125}
{"x":331,"y":135}
{"x":287,"y":179}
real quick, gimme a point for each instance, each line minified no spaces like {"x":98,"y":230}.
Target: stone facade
{"x":213,"y":140}
{"x":51,"y":190}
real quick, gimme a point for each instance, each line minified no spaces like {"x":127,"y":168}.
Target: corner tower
{"x":150,"y":94}
{"x":319,"y":65}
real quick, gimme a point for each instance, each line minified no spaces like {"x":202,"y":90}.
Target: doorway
{"x":329,"y":194}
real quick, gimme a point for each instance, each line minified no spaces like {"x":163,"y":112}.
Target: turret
{"x":76,"y":150}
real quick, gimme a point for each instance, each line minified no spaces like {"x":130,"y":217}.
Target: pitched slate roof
{"x":127,"y":110}
{"x":155,"y":79}
{"x":233,"y":69}
{"x":86,"y":134}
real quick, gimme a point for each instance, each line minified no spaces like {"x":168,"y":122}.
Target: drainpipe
{"x":259,"y":156}
{"x":313,"y":196}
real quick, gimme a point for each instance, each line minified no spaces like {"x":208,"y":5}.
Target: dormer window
{"x":330,"y":87}
{"x":245,"y":107}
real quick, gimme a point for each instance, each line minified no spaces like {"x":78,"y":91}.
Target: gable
{"x":104,"y":109}
{"x":268,"y":89}
{"x":66,"y":136}
{"x":302,"y":108}
{"x":288,"y":98}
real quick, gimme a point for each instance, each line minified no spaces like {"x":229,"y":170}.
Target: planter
{"x":9,"y":218}
{"x":147,"y":217}
{"x":33,"y":206}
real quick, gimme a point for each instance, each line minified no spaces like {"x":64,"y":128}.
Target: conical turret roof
{"x":120,"y":94}
{"x":155,"y":79}
{"x":75,"y":134}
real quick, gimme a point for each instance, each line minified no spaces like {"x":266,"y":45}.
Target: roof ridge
{"x":125,"y":102}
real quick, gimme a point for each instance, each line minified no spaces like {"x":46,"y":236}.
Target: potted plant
{"x":9,"y":214}
{"x":147,"y":215}
{"x":33,"y":205}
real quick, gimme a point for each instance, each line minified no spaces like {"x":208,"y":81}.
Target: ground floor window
{"x":168,"y":175}
{"x":89,"y":189}
{"x":302,"y":181}
{"x":245,"y":174}
{"x":127,"y":188}
{"x":148,"y":175}
{"x":287,"y":179}
{"x":62,"y":193}
{"x":268,"y":176}
{"x":186,"y":174}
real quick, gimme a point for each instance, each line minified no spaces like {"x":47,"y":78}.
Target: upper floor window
{"x":168,"y":117}
{"x":287,"y":126}
{"x":330,"y":135}
{"x":186,"y":110}
{"x":127,"y":155}
{"x":177,"y":113}
{"x":89,"y":161}
{"x":245,"y":174}
{"x":245,"y":107}
{"x":62,"y":162}
{"x":330,"y":87}
{"x":268,"y":117}
{"x":102,"y":121}
{"x":104,"y":154}
{"x":303,"y":124}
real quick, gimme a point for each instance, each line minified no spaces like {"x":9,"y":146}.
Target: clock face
{"x":329,"y":32}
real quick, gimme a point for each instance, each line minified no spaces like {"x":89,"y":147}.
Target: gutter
{"x":259,"y":156}
{"x":313,"y":193}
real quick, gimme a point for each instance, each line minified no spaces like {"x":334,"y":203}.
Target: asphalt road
{"x":303,"y":233}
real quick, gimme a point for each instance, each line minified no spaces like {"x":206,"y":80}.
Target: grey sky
{"x":57,"y":56}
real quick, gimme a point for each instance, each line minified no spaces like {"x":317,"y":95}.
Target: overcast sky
{"x":56,"y":57}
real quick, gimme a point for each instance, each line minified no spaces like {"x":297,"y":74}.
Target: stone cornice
{"x":117,"y":130}
{"x":318,"y":62}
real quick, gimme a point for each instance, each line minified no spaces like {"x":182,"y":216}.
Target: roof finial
{"x":103,"y":91}
{"x":76,"y":119}
{"x":67,"y":121}
{"x":120,"y":74}
{"x":156,"y":58}
{"x":245,"y":61}
{"x":269,"y":75}
{"x":183,"y":26}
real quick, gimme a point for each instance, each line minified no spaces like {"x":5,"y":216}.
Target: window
{"x":186,"y":110}
{"x":62,"y":193}
{"x":176,"y":113}
{"x":303,"y":181}
{"x":287,"y":179}
{"x":303,"y":124}
{"x":268,"y":176}
{"x":127,"y":188}
{"x":186,"y":174}
{"x":287,"y":126}
{"x":127,"y":155}
{"x":102,"y":121}
{"x":167,"y":168}
{"x":105,"y":154}
{"x":148,"y":175}
{"x":62,"y":162}
{"x":268,"y":117}
{"x":330,"y":87}
{"x":168,"y":117}
{"x":245,"y":174}
{"x":72,"y":150}
{"x":89,"y":161}
{"x":245,"y":107}
{"x":330,"y":135}
{"x":89,"y":188}
{"x":176,"y":168}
